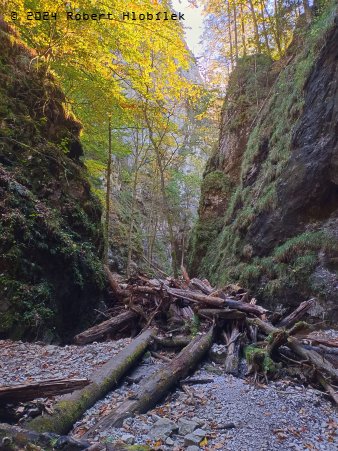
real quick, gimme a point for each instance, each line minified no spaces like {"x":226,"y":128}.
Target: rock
{"x":218,"y":353}
{"x":128,"y":438}
{"x":198,"y":420}
{"x":193,"y":448}
{"x":195,"y":437}
{"x":169,"y":442}
{"x":162,"y":429}
{"x":186,"y":426}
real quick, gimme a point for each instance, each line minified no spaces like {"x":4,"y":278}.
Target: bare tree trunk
{"x":107,"y":219}
{"x":133,"y":203}
{"x":265,"y":33}
{"x":255,"y":23}
{"x":243,"y":30}
{"x":235,"y":30}
{"x":277,"y":28}
{"x":230,"y":36}
{"x":166,"y":207}
{"x":307,"y":11}
{"x":273,"y":25}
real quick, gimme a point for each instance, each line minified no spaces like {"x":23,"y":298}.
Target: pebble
{"x":128,"y":439}
{"x":186,"y":426}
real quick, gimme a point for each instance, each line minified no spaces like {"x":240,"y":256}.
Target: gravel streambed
{"x":29,"y":362}
{"x":278,"y":416}
{"x":226,"y":413}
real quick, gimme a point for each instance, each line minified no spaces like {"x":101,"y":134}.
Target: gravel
{"x":279,"y":416}
{"x":29,"y":362}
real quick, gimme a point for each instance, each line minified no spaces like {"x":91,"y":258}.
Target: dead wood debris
{"x":190,"y":314}
{"x":180,"y":308}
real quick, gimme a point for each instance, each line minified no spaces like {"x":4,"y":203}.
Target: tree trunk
{"x":132,"y":212}
{"x":255,"y":23}
{"x":243,"y":30}
{"x":153,"y":389}
{"x":235,"y":30}
{"x":232,"y":358}
{"x":107,"y":219}
{"x":100,"y":331}
{"x":230,"y":36}
{"x":307,"y":11}
{"x":265,"y":33}
{"x":41,"y":389}
{"x":71,"y":407}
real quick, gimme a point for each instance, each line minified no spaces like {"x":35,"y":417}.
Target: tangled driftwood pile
{"x":189,"y":316}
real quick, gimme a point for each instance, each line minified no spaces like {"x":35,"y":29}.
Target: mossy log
{"x":276,"y":340}
{"x":101,"y":330}
{"x":41,"y":389}
{"x":321,"y":364}
{"x":16,"y":438}
{"x":154,"y":388}
{"x":70,"y":407}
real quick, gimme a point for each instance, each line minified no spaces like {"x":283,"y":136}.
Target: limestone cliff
{"x":268,"y":215}
{"x":50,"y":237}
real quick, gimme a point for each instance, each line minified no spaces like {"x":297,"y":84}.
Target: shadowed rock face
{"x":308,"y":188}
{"x":50,"y":238}
{"x":276,"y":230}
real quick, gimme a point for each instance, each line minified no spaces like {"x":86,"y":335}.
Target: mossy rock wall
{"x":277,"y":231}
{"x":50,"y":231}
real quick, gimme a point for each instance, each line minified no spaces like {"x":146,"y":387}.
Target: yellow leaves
{"x":204,"y":443}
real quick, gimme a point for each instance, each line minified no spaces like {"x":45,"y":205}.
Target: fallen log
{"x":174,"y":342}
{"x":70,"y":407}
{"x":216,"y":301}
{"x":322,"y":341}
{"x":328,"y":387}
{"x":41,"y":389}
{"x":222,"y":313}
{"x":321,"y":349}
{"x":154,"y":388}
{"x":297,"y":314}
{"x":263,"y":325}
{"x":199,"y":285}
{"x":114,"y":285}
{"x":101,"y":330}
{"x":17,"y":438}
{"x":316,"y":359}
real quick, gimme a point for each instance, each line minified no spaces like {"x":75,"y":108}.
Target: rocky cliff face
{"x":50,"y":239}
{"x":268,"y":215}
